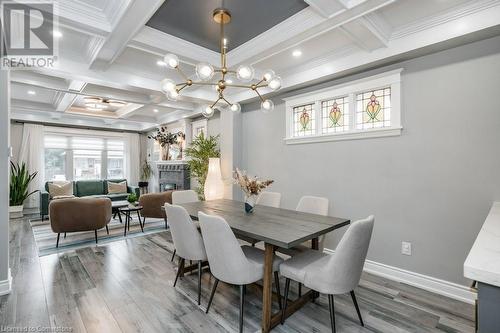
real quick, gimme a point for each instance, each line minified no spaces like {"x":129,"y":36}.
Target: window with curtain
{"x":82,"y":157}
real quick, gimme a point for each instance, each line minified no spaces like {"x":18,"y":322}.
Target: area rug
{"x":46,"y":239}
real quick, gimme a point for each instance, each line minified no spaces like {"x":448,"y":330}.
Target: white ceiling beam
{"x":327,"y":8}
{"x":160,"y":43}
{"x":449,"y":29}
{"x":128,"y":110}
{"x":67,"y":99}
{"x":135,"y":17}
{"x":301,"y":27}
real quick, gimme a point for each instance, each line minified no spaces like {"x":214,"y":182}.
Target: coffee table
{"x":115,"y":208}
{"x":128,"y":210}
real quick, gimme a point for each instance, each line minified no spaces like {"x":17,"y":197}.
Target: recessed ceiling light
{"x":155,"y":110}
{"x":57,"y":34}
{"x":229,"y":81}
{"x":31,"y":92}
{"x":297,"y":53}
{"x":161,"y":63}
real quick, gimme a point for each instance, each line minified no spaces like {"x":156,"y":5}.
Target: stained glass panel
{"x":304,"y":120}
{"x":373,"y":109}
{"x":335,"y":115}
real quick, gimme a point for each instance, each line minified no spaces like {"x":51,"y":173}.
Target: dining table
{"x":277,"y":228}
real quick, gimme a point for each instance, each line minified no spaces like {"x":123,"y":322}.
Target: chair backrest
{"x":187,"y":240}
{"x":227,"y":261}
{"x":343,"y":271}
{"x":187,"y":196}
{"x":271,"y":199}
{"x":313,"y":205}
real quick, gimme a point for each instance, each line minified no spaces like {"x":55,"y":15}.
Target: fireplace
{"x":173,"y":175}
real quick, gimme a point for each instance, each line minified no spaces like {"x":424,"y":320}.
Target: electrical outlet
{"x":406,"y":248}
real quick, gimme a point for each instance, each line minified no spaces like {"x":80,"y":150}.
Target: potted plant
{"x":165,"y":139}
{"x":20,"y":179}
{"x":132,"y":198}
{"x":146,"y":172}
{"x":199,"y":153}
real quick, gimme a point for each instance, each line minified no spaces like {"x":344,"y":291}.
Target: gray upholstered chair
{"x":334,"y":274}
{"x":313,"y":205}
{"x":271,"y":199}
{"x":230,"y":262}
{"x":187,"y":240}
{"x":181,"y":197}
{"x":186,"y":196}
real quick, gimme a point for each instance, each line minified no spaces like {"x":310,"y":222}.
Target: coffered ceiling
{"x":111,"y":49}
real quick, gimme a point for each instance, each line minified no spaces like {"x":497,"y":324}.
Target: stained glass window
{"x":304,"y":120}
{"x":373,"y":109}
{"x":335,"y":115}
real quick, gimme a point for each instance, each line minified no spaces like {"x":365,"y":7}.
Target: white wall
{"x":432,"y":186}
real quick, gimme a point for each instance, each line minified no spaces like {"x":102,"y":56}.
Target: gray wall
{"x":432,"y":186}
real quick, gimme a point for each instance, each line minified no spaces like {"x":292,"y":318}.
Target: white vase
{"x":250,"y":201}
{"x":15,"y":212}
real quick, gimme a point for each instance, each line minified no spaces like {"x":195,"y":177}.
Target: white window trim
{"x":197,"y":124}
{"x":388,"y":79}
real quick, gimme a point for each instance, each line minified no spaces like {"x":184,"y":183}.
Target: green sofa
{"x":88,"y":188}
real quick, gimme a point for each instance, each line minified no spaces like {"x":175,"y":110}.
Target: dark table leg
{"x":140,"y":222}
{"x":315,"y":246}
{"x":267,"y":288}
{"x":126,"y":222}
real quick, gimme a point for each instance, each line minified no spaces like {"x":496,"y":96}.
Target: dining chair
{"x":181,"y":197}
{"x":313,"y":205}
{"x":230,"y":262}
{"x":334,"y":274}
{"x":187,"y":240}
{"x":185,"y":196}
{"x":270,"y":199}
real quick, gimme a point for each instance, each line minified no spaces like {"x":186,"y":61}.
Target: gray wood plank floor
{"x":126,"y":286}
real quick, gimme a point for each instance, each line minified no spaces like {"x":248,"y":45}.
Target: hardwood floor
{"x":126,"y":286}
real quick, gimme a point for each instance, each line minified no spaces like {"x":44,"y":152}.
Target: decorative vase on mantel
{"x":250,"y":201}
{"x":165,"y":152}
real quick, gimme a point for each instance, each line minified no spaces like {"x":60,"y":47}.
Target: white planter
{"x":16,"y":211}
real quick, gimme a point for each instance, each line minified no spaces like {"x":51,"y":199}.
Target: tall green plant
{"x":20,"y":178}
{"x":200,"y":150}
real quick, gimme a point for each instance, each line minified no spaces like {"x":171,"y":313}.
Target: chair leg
{"x":57,"y":242}
{"x":287,"y":289}
{"x":64,"y":235}
{"x":242,"y":303}
{"x":278,"y":291}
{"x":332,"y":312}
{"x":95,"y":231}
{"x":107,"y":229}
{"x":357,"y":308}
{"x":300,"y":289}
{"x":179,"y":270}
{"x":173,"y":255}
{"x":166,"y":224}
{"x":199,"y":281}
{"x":212,"y":294}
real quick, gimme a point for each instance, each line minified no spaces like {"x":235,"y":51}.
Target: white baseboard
{"x":429,"y":283}
{"x":6,"y":285}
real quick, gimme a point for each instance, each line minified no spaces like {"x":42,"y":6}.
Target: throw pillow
{"x":61,"y":188}
{"x":114,"y":188}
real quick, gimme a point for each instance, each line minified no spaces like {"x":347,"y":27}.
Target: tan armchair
{"x":79,"y":214}
{"x":152,"y":204}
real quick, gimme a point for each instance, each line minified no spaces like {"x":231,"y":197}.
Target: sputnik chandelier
{"x":205,"y":72}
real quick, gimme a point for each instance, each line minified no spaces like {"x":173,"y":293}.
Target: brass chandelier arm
{"x":217,"y":101}
{"x":238,"y":85}
{"x":258,"y":94}
{"x":183,"y":86}
{"x":225,"y":100}
{"x":182,"y":73}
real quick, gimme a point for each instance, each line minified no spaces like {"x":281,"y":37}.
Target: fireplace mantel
{"x":173,"y":175}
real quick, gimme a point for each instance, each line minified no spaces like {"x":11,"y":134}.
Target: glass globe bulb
{"x":167,"y":85}
{"x":275,"y":83}
{"x":267,"y":105}
{"x":245,"y":73}
{"x":205,"y":71}
{"x":235,"y":107}
{"x":172,"y":95}
{"x":171,"y":60}
{"x":208,"y":111}
{"x":268,"y":75}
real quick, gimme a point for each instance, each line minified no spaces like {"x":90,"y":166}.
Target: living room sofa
{"x":88,"y":188}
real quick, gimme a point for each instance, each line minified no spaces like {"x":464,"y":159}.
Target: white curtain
{"x":31,"y":153}
{"x":132,"y":158}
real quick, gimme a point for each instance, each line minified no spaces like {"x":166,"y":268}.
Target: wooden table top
{"x":280,"y":227}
